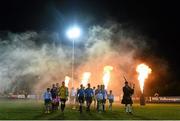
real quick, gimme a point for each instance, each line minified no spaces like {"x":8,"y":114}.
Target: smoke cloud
{"x":34,"y":59}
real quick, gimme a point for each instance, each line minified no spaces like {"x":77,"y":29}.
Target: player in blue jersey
{"x":111,"y":99}
{"x":88,"y":95}
{"x":47,"y":100}
{"x":81,"y":96}
{"x":104,"y":93}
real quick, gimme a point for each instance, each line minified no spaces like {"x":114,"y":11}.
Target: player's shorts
{"x":47,"y":101}
{"x":63,"y":100}
{"x":103,"y":100}
{"x":57,"y":101}
{"x":89,"y":99}
{"x":111,"y":101}
{"x":81,"y":99}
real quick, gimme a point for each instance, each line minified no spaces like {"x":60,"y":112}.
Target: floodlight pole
{"x":72,"y":64}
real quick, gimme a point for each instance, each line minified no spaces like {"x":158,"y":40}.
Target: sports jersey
{"x":111,"y":97}
{"x":81,"y":93}
{"x":89,"y":92}
{"x":54,"y":92}
{"x":99,"y":96}
{"x":104,"y":93}
{"x":63,"y":92}
{"x":47,"y":95}
{"x":73,"y":92}
{"x":97,"y":91}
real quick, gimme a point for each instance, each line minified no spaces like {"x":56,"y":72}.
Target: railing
{"x":161,"y":99}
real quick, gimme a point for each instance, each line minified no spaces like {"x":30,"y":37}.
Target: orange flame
{"x":67,"y":81}
{"x":85,"y":79}
{"x":107,"y":75}
{"x":143,"y":71}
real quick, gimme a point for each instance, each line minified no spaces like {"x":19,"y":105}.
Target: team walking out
{"x":52,"y":97}
{"x":56,"y":98}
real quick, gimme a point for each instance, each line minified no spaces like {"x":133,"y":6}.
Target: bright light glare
{"x":73,"y":32}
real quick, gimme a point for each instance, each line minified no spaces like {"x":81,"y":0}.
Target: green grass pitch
{"x":28,"y":109}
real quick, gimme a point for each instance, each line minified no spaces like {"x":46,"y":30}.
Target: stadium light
{"x":73,"y":33}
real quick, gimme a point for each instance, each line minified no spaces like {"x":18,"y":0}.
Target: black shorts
{"x":103,"y":100}
{"x":89,"y":99}
{"x":111,"y":101}
{"x":81,"y":99}
{"x":63,"y":100}
{"x":47,"y":101}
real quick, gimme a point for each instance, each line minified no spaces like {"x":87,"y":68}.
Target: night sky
{"x":158,"y":20}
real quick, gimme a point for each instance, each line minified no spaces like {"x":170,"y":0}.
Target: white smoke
{"x":36,"y":54}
